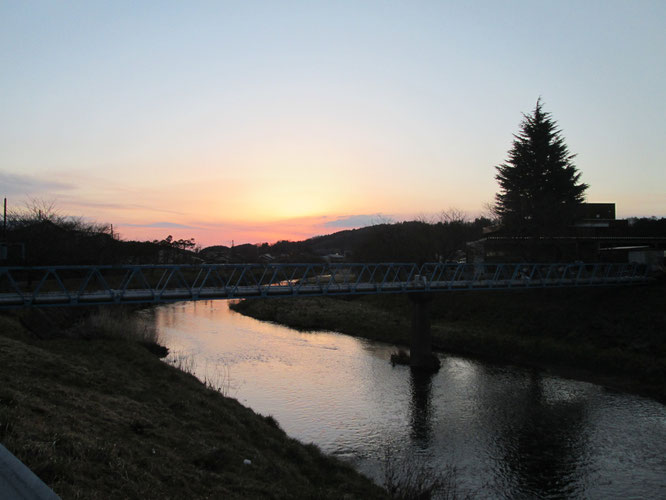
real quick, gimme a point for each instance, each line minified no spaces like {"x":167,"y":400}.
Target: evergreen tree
{"x":539,"y":184}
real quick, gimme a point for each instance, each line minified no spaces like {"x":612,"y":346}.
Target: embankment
{"x":105,"y":418}
{"x":613,"y":335}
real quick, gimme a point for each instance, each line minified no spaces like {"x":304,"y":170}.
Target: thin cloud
{"x":163,"y":225}
{"x":85,"y":203}
{"x":22,"y":185}
{"x":356,"y":221}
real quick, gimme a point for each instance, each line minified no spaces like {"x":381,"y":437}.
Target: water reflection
{"x":542,"y":443}
{"x":510,"y":432}
{"x":421,"y":407}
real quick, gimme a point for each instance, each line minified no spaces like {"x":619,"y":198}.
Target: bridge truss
{"x":91,"y":285}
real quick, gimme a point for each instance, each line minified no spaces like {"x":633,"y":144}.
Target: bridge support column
{"x":421,"y":356}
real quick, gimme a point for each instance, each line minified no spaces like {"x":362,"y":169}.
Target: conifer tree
{"x":540,"y":186}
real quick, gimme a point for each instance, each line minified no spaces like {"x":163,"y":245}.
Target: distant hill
{"x":404,"y":241}
{"x":47,"y":243}
{"x":41,"y":243}
{"x":411,"y":241}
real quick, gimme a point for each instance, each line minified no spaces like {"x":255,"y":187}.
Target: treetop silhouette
{"x":540,"y":187}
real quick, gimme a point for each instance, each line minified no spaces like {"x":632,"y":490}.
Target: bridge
{"x":97,"y":285}
{"x":43,"y":286}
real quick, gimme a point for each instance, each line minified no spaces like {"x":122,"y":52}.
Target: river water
{"x":506,"y":432}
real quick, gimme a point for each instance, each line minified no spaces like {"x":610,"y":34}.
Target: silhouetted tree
{"x":181,"y":244}
{"x":539,"y":184}
{"x":39,"y":211}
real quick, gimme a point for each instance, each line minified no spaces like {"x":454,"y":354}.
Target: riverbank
{"x":615,"y":336}
{"x":103,"y":417}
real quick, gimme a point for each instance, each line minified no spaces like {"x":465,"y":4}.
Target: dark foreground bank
{"x":615,"y":336}
{"x":106,"y":418}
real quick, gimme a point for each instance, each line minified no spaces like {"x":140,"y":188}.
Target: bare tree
{"x":453,"y":215}
{"x":36,"y":210}
{"x":425,"y":218}
{"x":380,"y":219}
{"x":490,"y":212}
{"x":42,"y":209}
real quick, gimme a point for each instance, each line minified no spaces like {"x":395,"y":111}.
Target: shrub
{"x":119,"y":323}
{"x":400,"y":358}
{"x":412,"y":479}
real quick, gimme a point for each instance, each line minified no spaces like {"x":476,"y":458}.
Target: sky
{"x":255,"y":121}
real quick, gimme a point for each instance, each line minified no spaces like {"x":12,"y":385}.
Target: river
{"x":505,"y":431}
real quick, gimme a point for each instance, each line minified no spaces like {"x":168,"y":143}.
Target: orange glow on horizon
{"x":223,"y":233}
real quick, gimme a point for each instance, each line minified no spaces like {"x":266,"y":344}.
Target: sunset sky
{"x":257,"y":121}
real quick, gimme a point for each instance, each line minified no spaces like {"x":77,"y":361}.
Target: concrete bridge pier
{"x":421,"y":356}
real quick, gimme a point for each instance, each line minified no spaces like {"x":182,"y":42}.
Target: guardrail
{"x":90,"y":285}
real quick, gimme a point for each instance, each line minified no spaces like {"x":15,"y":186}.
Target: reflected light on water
{"x":509,"y":432}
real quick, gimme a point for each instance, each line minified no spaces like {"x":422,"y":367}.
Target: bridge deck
{"x":88,"y":285}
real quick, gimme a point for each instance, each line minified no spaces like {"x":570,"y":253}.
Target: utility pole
{"x":4,"y":247}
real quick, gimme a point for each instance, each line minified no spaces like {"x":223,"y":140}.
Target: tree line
{"x":540,"y":191}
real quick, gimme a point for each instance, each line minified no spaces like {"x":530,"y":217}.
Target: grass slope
{"x":616,"y":336}
{"x":107,"y":419}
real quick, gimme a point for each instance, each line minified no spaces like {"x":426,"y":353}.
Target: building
{"x":597,"y":236}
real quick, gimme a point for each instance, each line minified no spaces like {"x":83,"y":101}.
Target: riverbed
{"x":505,"y":431}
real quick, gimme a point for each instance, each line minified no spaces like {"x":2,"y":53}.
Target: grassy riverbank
{"x":106,"y":418}
{"x":615,"y":336}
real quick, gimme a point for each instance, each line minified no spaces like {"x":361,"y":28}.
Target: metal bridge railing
{"x":81,"y":285}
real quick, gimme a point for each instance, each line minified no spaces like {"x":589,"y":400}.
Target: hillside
{"x":411,"y":241}
{"x":104,"y":418}
{"x":39,"y":243}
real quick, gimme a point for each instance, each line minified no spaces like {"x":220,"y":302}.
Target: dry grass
{"x":123,"y":324}
{"x":414,"y":480}
{"x":215,"y":376}
{"x":118,"y":323}
{"x":102,"y":418}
